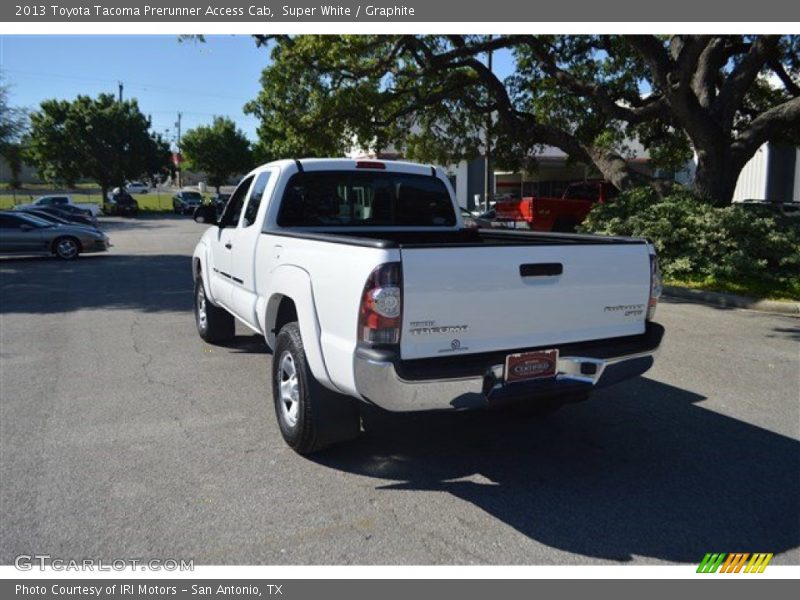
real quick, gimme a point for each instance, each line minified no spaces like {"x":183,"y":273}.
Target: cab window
{"x":233,"y":209}
{"x":363,"y":199}
{"x":253,"y":204}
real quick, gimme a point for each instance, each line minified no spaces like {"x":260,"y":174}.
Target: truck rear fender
{"x":291,"y":283}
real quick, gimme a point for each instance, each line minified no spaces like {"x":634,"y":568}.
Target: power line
{"x":133,"y":84}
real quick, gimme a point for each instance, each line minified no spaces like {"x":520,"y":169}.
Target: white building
{"x":772,"y":174}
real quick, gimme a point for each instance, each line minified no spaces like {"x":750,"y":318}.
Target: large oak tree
{"x":719,"y":97}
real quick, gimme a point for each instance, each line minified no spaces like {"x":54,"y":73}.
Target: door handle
{"x":541,"y":269}
{"x":228,"y":245}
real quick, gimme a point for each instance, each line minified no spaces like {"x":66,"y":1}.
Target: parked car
{"x":62,"y":201}
{"x":219,"y":200}
{"x":24,"y":233}
{"x":555,"y":214}
{"x":53,"y":216}
{"x":137,"y":187}
{"x":121,"y":203}
{"x":186,"y":201}
{"x":69,"y":213}
{"x":370,"y":292}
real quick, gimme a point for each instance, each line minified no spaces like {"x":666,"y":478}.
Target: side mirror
{"x":205,"y":213}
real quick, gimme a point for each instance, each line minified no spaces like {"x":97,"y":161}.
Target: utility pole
{"x":488,"y":182}
{"x":119,"y":84}
{"x":180,"y":158}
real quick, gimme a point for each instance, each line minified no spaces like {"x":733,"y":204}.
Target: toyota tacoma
{"x":370,"y":291}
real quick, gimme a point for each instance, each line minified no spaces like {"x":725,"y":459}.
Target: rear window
{"x":33,"y":220}
{"x":582,"y":191}
{"x":355,"y":198}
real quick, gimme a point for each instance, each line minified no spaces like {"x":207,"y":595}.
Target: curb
{"x":733,"y":301}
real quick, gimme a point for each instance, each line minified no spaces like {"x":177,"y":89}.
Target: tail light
{"x":381,"y":313}
{"x":655,"y":287}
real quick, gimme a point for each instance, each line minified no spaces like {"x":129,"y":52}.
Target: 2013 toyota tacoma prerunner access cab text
{"x":370,"y":292}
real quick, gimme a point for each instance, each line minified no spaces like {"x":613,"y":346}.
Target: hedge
{"x":696,"y":241}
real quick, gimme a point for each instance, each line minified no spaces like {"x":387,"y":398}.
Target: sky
{"x":166,"y":76}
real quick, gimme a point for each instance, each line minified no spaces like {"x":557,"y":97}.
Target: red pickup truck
{"x":555,"y":214}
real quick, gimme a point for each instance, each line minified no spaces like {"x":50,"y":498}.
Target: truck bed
{"x":463,"y":238}
{"x":470,"y":291}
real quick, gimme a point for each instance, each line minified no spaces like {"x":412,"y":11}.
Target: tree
{"x":100,"y":139}
{"x":13,"y":153}
{"x":13,"y":123}
{"x":220,"y":150}
{"x":720,"y":97}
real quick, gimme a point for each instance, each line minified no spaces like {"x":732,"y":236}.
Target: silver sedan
{"x":22,"y":233}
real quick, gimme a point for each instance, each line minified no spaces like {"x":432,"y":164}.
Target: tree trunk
{"x":104,"y":194}
{"x":616,"y":169}
{"x":716,"y":176}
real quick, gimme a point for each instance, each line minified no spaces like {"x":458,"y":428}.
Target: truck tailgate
{"x":486,"y":298}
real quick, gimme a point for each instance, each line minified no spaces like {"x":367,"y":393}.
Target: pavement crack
{"x":147,"y":356}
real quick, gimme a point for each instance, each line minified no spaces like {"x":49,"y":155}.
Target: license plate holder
{"x":525,"y":366}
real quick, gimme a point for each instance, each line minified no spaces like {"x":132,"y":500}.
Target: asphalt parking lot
{"x":124,"y":435}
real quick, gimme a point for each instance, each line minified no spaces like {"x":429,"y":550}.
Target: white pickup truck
{"x":370,"y":292}
{"x":60,"y":201}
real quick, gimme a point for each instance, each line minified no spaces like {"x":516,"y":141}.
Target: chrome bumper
{"x":378,"y":382}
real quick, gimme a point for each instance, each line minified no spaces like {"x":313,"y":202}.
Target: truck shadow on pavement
{"x":791,"y":333}
{"x":112,"y":225}
{"x":639,"y":470}
{"x":150,"y":283}
{"x":248,"y":343}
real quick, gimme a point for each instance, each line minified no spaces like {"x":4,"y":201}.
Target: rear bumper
{"x":384,"y":380}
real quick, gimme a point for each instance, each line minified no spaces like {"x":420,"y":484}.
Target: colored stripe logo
{"x":736,"y":562}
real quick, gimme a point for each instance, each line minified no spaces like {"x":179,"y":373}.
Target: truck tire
{"x":310,"y":416}
{"x":565,"y":225}
{"x":214,"y":324}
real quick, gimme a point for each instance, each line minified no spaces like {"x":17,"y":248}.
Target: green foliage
{"x":432,"y":96}
{"x":220,"y":150}
{"x":696,"y":241}
{"x":321,"y":95}
{"x":13,"y":153}
{"x":13,"y":123}
{"x":13,"y":120}
{"x":95,"y":138}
